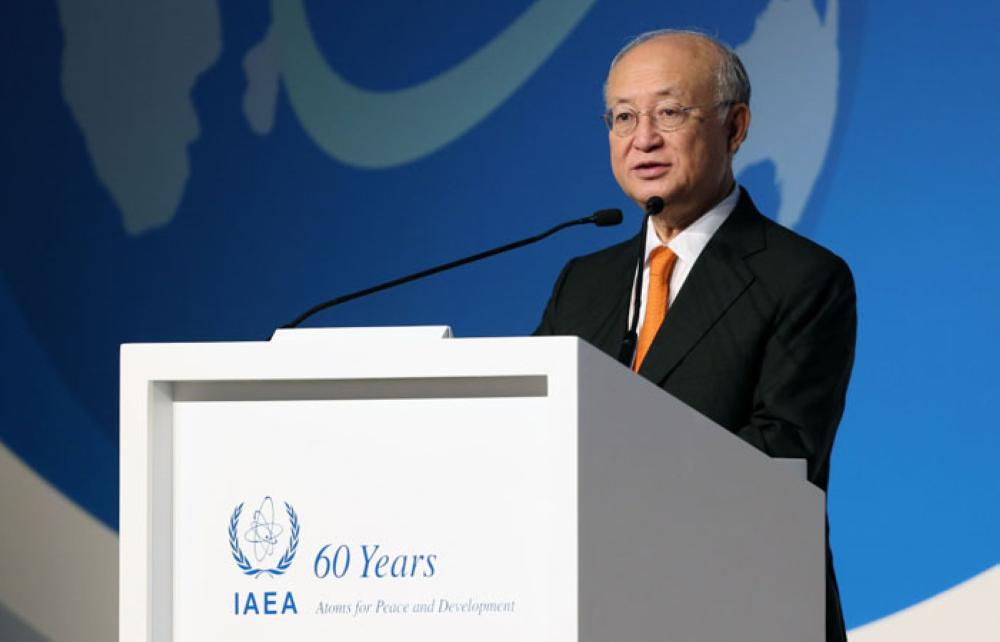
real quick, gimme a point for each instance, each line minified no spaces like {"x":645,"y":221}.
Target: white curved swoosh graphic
{"x":65,"y":561}
{"x":966,"y":612}
{"x":382,"y":129}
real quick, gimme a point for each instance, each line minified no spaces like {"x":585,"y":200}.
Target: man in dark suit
{"x":745,"y":321}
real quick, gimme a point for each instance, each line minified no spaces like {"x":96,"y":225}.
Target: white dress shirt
{"x":687,"y":245}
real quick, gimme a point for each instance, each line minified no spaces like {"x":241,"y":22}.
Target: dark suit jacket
{"x":760,"y":338}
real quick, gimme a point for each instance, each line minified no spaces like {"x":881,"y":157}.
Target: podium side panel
{"x":686,"y":532}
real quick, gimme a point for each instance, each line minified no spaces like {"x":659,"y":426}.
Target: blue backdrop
{"x":204,"y":171}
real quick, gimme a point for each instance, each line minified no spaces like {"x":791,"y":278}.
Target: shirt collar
{"x":690,"y":242}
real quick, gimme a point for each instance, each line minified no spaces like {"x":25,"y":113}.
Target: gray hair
{"x":731,"y":80}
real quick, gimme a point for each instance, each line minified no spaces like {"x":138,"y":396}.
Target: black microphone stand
{"x":626,"y":353}
{"x":600,"y":218}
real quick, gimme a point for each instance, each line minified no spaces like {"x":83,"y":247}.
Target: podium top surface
{"x":337,"y":336}
{"x":353,"y":353}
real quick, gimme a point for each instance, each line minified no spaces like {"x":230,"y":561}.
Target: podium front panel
{"x":397,"y":518}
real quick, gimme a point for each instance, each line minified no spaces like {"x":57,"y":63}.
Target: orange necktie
{"x":661,"y":263}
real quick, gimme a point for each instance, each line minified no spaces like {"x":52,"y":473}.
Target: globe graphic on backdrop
{"x":401,"y":126}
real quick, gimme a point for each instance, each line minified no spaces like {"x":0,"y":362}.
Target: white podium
{"x":399,"y":484}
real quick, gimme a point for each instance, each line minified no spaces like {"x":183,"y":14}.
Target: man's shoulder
{"x":607,"y":263}
{"x":590,"y":293}
{"x":772,"y":245}
{"x":617,"y":255}
{"x":789,"y":242}
{"x":792,"y":261}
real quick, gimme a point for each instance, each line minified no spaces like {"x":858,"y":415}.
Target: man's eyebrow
{"x":662,"y":93}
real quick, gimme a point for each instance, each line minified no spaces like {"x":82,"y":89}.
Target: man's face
{"x":689,"y":168}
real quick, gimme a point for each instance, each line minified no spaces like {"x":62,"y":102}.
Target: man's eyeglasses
{"x":667,"y":116}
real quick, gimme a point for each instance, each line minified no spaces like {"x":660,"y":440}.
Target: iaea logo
{"x":263,"y":536}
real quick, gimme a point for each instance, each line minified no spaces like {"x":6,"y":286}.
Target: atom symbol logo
{"x":263,"y":533}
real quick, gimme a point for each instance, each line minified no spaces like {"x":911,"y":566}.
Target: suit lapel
{"x":716,"y":281}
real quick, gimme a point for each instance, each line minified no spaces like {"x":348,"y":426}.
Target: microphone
{"x":605,"y":218}
{"x":654,"y":206}
{"x":600,"y":218}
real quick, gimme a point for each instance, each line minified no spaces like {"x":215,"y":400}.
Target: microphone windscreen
{"x":604,"y":218}
{"x":654,"y":206}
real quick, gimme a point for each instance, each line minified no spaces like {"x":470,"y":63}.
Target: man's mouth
{"x":650,"y":169}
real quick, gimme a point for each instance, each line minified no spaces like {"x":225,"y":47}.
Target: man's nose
{"x":646,"y":137}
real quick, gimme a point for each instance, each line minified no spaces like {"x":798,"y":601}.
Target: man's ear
{"x":739,"y":125}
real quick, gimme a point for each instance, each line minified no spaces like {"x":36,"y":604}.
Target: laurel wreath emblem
{"x":241,"y":559}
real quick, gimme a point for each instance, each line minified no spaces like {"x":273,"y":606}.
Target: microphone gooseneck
{"x":601,"y":218}
{"x":626,"y":353}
